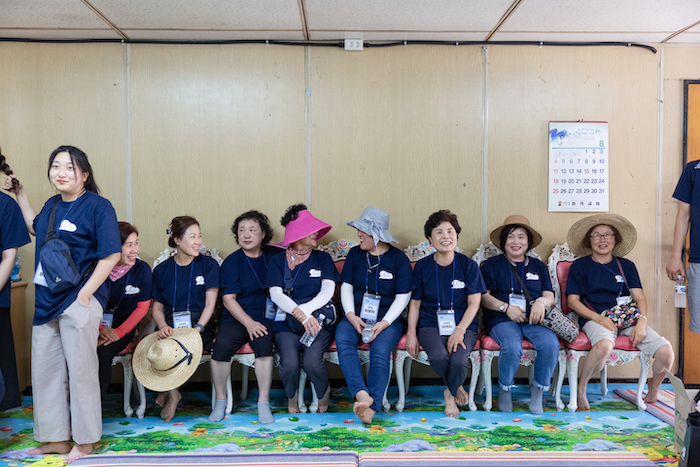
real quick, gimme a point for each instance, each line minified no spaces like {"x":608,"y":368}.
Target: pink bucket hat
{"x":304,"y":225}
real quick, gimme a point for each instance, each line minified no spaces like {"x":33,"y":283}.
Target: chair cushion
{"x":128,"y":349}
{"x":562,"y":276}
{"x":582,"y":343}
{"x":245,"y":349}
{"x":489,"y":343}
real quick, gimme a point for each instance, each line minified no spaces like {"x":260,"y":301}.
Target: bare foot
{"x":58,"y":447}
{"x":462,"y":396}
{"x":323,"y":402}
{"x":162,"y":399}
{"x":363,"y":407}
{"x":451,"y":409}
{"x":293,"y":403}
{"x":651,"y":397}
{"x":582,"y":401}
{"x":168,"y":411}
{"x":78,"y":451}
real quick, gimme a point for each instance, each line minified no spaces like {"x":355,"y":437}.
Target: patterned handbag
{"x":623,"y":316}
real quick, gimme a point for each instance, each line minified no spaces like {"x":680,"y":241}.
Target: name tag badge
{"x":182,"y":319}
{"x":623,"y":300}
{"x":280,"y":315}
{"x":107,"y":320}
{"x":370,"y":307}
{"x":39,"y":278}
{"x":270,"y":309}
{"x":518,"y":300}
{"x":446,"y":322}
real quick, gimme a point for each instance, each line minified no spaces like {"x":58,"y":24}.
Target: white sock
{"x":218,"y":411}
{"x":264,"y":413}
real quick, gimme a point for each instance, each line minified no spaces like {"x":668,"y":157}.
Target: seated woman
{"x":519,"y":290}
{"x":302,"y":283}
{"x":600,"y":280}
{"x":377,"y":284}
{"x":129,"y":298}
{"x":185,"y":288}
{"x":443,"y":308}
{"x":247,"y":317}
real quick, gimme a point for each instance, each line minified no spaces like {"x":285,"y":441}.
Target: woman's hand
{"x":515,"y":313}
{"x":107,"y":336}
{"x":412,"y":345}
{"x":378,"y":328}
{"x":356,"y":322}
{"x":607,"y":323}
{"x":537,"y":312}
{"x":12,"y":187}
{"x":256,"y":330}
{"x":165,"y":332}
{"x":455,"y":340}
{"x":83,"y":298}
{"x":639,"y":332}
{"x":311,"y":325}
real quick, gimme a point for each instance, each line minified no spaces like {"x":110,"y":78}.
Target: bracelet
{"x":199,"y":326}
{"x":506,"y":310}
{"x":460,"y":327}
{"x":543,"y":300}
{"x":645,"y":318}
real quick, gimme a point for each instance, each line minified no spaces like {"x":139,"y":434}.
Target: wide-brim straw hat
{"x":165,"y":364}
{"x":520,"y":221}
{"x":374,"y":222}
{"x":304,"y":225}
{"x":580,"y":229}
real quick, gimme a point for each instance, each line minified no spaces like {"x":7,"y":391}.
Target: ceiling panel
{"x":636,"y":37}
{"x":60,"y":34}
{"x":388,"y":36}
{"x":405,"y":15}
{"x":39,"y":14}
{"x":193,"y":35}
{"x":202,"y":14}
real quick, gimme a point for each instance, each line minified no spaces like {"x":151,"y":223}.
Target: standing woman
{"x":185,"y":288}
{"x":13,"y":234}
{"x":442,"y":312}
{"x":129,"y":298}
{"x":377,"y":284}
{"x":247,"y":318}
{"x":302,"y":283}
{"x":514,"y":307}
{"x":66,"y":323}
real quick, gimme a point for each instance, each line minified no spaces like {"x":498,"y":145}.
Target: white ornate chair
{"x":124,"y":359}
{"x":338,"y":250}
{"x":490,"y":349}
{"x":623,"y":351}
{"x":404,"y":360}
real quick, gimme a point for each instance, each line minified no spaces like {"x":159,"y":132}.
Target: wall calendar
{"x":578,"y":166}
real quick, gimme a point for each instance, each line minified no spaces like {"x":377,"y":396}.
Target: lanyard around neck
{"x":376,"y":273}
{"x":189,"y":288}
{"x":437,"y":284}
{"x":254,"y":271}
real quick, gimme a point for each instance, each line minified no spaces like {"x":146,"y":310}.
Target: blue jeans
{"x":346,"y":339}
{"x":509,"y":336}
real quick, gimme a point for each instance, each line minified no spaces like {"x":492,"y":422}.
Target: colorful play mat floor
{"x":612,"y":424}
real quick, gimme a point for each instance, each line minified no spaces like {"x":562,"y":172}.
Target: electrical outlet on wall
{"x":353,"y":44}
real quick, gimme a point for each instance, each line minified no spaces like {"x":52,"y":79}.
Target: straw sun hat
{"x":520,"y":221}
{"x":165,"y":364}
{"x":624,"y":227}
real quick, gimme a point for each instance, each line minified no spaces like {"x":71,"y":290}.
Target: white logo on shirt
{"x":131,"y":290}
{"x":199,"y":280}
{"x":531,"y":276}
{"x":386,"y":275}
{"x":458,"y":284}
{"x":68,"y":226}
{"x":314,"y":273}
{"x":619,"y":278}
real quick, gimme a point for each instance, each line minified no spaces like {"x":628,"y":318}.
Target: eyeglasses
{"x":606,"y":236}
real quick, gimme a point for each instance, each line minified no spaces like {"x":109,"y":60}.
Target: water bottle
{"x":308,"y":339}
{"x":367,"y":332}
{"x":680,"y":300}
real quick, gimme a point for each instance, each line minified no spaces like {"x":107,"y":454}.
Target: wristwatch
{"x":502,"y":308}
{"x":199,"y":326}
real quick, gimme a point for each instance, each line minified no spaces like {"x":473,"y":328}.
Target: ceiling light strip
{"x":105,"y":19}
{"x":503,"y":19}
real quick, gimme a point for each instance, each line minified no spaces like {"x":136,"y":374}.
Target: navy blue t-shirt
{"x":306,"y":278}
{"x":467,"y":280}
{"x":500,"y":280}
{"x":127,"y":291}
{"x":89,"y":226}
{"x":245,"y":277}
{"x":599,"y":285}
{"x":689,"y":192}
{"x":390,"y":277}
{"x":13,"y":234}
{"x":174,"y":285}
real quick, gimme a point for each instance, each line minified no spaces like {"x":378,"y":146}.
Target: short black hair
{"x":508,"y":229}
{"x":437,"y":218}
{"x":261,"y":219}
{"x":292,"y":213}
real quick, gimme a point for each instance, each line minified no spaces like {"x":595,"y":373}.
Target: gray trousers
{"x":65,"y":370}
{"x":693,"y":295}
